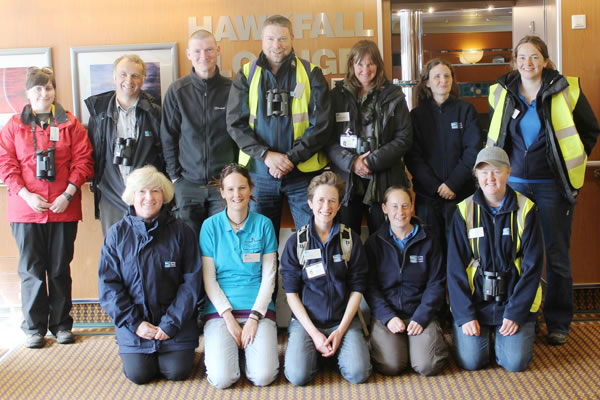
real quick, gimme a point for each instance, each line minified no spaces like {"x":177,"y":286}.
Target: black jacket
{"x":405,"y":284}
{"x":102,"y":128}
{"x":326,"y":297}
{"x":395,"y":138}
{"x":547,"y":161}
{"x":276,"y":133}
{"x":194,"y":137}
{"x":447,"y":140}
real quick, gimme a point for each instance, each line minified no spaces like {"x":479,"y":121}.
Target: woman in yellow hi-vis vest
{"x":547,"y":127}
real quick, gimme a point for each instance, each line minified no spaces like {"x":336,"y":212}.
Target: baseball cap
{"x":494,"y":156}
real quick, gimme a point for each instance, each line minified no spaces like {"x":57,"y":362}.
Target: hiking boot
{"x":35,"y":341}
{"x":557,"y":338}
{"x":64,"y":337}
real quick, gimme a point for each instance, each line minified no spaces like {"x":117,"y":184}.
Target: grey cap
{"x":494,"y":156}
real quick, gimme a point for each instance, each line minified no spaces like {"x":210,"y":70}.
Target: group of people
{"x":189,"y":197}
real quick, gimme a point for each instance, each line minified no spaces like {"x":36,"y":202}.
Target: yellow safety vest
{"x":562,"y":106}
{"x":466,"y":208}
{"x":299,"y":112}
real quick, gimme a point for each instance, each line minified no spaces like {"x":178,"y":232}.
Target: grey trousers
{"x":391,"y":353}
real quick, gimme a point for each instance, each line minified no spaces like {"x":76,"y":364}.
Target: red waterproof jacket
{"x":73,"y":158}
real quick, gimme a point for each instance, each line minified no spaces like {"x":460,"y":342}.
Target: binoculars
{"x":123,"y":151}
{"x":277,"y":103}
{"x":495,"y":286}
{"x":45,"y":167}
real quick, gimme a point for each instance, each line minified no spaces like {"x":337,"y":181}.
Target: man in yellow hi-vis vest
{"x":278,"y":114}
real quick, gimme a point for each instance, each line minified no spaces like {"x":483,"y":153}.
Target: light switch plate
{"x":578,"y":21}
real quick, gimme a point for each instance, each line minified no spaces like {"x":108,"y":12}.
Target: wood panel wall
{"x":580,"y":57}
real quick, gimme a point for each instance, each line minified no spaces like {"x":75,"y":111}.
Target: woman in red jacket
{"x":45,"y":157}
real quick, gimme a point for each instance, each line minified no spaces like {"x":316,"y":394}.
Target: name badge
{"x":170,"y":264}
{"x":342,"y":117}
{"x":251,"y":257}
{"x":515,"y":113}
{"x":313,"y":254}
{"x":476,"y":232}
{"x":348,"y":141}
{"x":298,"y":90}
{"x":506,"y":231}
{"x":147,"y":134}
{"x":315,"y":270}
{"x":54,"y":133}
{"x":456,"y":125}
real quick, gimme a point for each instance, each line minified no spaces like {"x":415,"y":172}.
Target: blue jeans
{"x":302,"y":358}
{"x":556,"y":216}
{"x":269,"y":193}
{"x":512,"y":352}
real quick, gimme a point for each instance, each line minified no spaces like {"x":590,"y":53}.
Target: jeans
{"x":512,"y":352}
{"x":302,"y":358}
{"x":221,"y":354}
{"x":269,"y":193}
{"x":556,"y":216}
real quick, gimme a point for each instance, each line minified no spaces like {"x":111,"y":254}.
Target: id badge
{"x":342,"y":117}
{"x":348,"y":141}
{"x":299,"y":90}
{"x":251,"y":257}
{"x":475,"y":233}
{"x":312,"y":254}
{"x":315,"y":270}
{"x":54,"y":136}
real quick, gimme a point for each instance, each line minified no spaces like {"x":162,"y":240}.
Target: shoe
{"x":557,"y":338}
{"x":65,"y":337}
{"x":35,"y":341}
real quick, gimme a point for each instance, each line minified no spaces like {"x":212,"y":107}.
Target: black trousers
{"x":352,"y":215}
{"x":195,"y":203}
{"x":45,"y":254}
{"x":141,"y":368}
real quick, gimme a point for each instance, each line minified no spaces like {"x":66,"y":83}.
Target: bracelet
{"x":68,"y":196}
{"x":256,"y":314}
{"x":254,"y":319}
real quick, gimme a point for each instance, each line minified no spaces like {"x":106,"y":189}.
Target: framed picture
{"x":91,"y":70}
{"x":13,"y":72}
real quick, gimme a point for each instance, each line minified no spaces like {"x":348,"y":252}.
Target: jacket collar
{"x":285,"y":65}
{"x":203,"y":84}
{"x":141,"y":228}
{"x":510,"y":202}
{"x":27,"y":115}
{"x":384,"y":231}
{"x":104,"y":104}
{"x":552,"y":82}
{"x":312,"y":230}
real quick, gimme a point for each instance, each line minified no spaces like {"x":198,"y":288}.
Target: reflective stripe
{"x":300,"y":118}
{"x":296,"y":118}
{"x":466,"y":210}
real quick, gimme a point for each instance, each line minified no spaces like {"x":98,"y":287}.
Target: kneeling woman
{"x":495,"y":260}
{"x":324,"y":274}
{"x":406,"y":289}
{"x":150,"y":279}
{"x":240,"y":264}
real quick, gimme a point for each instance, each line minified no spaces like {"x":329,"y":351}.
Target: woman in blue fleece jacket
{"x":406,"y":289}
{"x":324,"y":290}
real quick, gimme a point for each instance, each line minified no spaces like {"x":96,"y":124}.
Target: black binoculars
{"x":364,"y":145}
{"x":277,"y":103}
{"x":123,"y":151}
{"x":495,"y":286}
{"x":45,"y":167}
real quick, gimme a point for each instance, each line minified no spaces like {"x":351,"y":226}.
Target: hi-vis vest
{"x":562,"y":106}
{"x":299,"y":110}
{"x":471,"y":214}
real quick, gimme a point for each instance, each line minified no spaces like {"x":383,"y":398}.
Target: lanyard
{"x":52,"y":124}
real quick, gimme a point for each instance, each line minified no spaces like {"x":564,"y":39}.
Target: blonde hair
{"x":147,"y":177}
{"x":281,"y":21}
{"x":327,"y":178}
{"x":134,"y":58}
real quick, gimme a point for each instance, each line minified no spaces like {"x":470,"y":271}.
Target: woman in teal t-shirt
{"x":239,"y":268}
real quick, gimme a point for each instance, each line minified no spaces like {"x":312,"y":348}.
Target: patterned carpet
{"x":91,"y":369}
